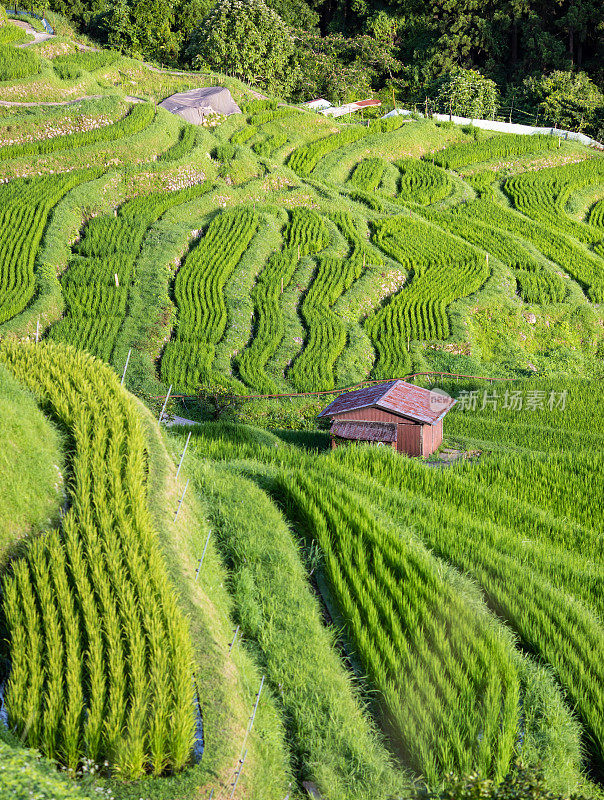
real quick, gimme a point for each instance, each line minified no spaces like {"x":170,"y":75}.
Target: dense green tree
{"x":568,"y":100}
{"x":341,"y":69}
{"x":141,"y":28}
{"x":247,"y":39}
{"x":336,"y":40}
{"x":187,"y":14}
{"x":296,"y":13}
{"x":327,"y":70}
{"x":467,"y":93}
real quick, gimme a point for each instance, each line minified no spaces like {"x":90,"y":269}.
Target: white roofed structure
{"x":196,"y":104}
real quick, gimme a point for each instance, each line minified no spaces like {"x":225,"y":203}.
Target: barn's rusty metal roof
{"x":365,"y":431}
{"x":398,"y":397}
{"x":360,"y":398}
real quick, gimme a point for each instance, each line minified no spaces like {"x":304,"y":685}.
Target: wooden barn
{"x":395,"y":414}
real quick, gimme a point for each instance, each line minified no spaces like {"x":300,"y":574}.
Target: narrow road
{"x":38,"y":37}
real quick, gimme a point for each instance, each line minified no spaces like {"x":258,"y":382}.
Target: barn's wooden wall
{"x":433,"y":436}
{"x":412,"y":437}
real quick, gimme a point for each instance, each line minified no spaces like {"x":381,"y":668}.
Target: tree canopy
{"x":565,"y":99}
{"x":140,"y":28}
{"x":467,"y":93}
{"x":247,"y":39}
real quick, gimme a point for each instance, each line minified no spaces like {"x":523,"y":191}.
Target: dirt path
{"x":50,"y":103}
{"x":38,"y":37}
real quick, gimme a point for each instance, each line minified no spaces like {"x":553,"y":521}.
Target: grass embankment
{"x":333,"y":742}
{"x":229,"y":681}
{"x":31,"y":466}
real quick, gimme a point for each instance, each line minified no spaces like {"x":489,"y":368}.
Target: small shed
{"x":394,"y":414}
{"x":196,"y":104}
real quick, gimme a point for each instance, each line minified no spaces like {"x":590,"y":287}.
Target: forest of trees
{"x":543,"y":55}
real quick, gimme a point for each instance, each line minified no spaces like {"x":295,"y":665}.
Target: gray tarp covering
{"x":196,"y":104}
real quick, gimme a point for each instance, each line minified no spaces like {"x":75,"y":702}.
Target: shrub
{"x":225,"y":152}
{"x":567,"y":100}
{"x":12,"y":34}
{"x":24,"y":774}
{"x":521,"y":783}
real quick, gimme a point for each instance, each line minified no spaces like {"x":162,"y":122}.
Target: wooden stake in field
{"x":234,"y":640}
{"x":126,"y":366}
{"x":163,"y":408}
{"x":203,"y":555}
{"x":183,"y":455}
{"x":38,"y":330}
{"x":243,"y":755}
{"x":117,"y":282}
{"x":237,"y":775}
{"x":184,"y":491}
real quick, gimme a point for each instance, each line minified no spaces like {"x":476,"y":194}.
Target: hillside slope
{"x":350,"y":258}
{"x":32,"y":466}
{"x":396,"y":622}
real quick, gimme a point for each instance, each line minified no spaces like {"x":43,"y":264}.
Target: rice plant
{"x":103,"y":664}
{"x":97,"y":283}
{"x":493,"y":148}
{"x":440,"y":270}
{"x":25,"y":205}
{"x":140,"y":116}
{"x":448,"y":688}
{"x":198,"y":289}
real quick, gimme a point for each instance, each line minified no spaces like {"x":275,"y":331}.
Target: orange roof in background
{"x":371,"y":102}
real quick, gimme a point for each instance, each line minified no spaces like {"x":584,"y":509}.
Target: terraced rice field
{"x":282,"y":252}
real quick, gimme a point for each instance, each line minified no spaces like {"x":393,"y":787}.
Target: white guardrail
{"x":506,"y":127}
